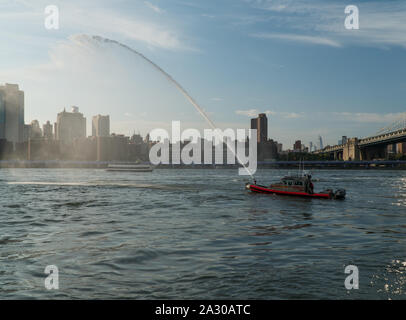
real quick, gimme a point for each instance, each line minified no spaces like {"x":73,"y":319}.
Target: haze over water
{"x":198,"y":234}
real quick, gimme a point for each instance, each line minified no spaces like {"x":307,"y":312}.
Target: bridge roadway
{"x":365,"y":148}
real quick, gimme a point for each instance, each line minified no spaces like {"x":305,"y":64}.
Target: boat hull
{"x":263,"y":189}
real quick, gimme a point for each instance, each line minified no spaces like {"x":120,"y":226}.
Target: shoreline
{"x":319,"y":165}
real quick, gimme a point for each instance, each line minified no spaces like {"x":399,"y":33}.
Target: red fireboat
{"x":300,"y":186}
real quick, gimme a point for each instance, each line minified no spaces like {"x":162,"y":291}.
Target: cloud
{"x":292,"y":115}
{"x":298,"y":38}
{"x":248,"y":113}
{"x":371,"y":117}
{"x":153,"y":7}
{"x":382,"y":24}
{"x":254,"y":113}
{"x":134,"y":28}
{"x":85,"y":17}
{"x":210,"y":16}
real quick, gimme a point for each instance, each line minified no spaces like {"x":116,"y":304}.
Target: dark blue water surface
{"x":198,"y":234}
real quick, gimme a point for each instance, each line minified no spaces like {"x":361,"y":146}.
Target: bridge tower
{"x":351,"y":151}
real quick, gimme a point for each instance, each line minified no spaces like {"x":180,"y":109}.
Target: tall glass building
{"x":11,"y":113}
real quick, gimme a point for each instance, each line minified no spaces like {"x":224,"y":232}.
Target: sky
{"x":291,"y":59}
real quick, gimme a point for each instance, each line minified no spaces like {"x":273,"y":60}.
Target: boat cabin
{"x":293,"y":183}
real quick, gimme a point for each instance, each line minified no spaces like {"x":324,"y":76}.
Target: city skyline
{"x":238,"y":59}
{"x":71,"y":125}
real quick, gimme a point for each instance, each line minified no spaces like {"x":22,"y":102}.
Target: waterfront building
{"x":261,"y":125}
{"x":297,"y":146}
{"x":26,"y":132}
{"x":35,"y":130}
{"x":70,"y":125}
{"x":11,"y":113}
{"x":47,"y":130}
{"x":84,"y":149}
{"x":136,"y":138}
{"x":279,"y":147}
{"x":267,"y":150}
{"x":147,"y":139}
{"x":101,"y":126}
{"x":43,"y":150}
{"x":113,"y":148}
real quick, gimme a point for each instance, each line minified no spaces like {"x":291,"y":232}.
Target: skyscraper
{"x":35,"y":130}
{"x":321,"y":142}
{"x":11,"y":113}
{"x":70,"y":125}
{"x":261,"y":125}
{"x":297,"y":146}
{"x":47,"y":130}
{"x":279,"y":147}
{"x":101,"y":126}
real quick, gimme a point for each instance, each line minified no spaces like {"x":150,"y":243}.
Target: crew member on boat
{"x":309,"y":184}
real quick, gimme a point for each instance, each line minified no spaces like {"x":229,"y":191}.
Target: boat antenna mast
{"x":300,"y":168}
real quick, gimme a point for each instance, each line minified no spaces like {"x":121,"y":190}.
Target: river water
{"x":197,"y":234}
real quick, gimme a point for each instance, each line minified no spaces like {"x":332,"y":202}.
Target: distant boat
{"x":129,"y":168}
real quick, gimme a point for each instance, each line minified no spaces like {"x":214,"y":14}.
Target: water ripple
{"x":199,"y":234}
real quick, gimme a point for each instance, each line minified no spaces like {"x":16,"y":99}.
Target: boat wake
{"x":102,"y":184}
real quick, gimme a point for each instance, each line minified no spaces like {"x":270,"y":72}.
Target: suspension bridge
{"x":390,"y":139}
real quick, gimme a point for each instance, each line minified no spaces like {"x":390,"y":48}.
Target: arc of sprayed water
{"x":178,"y":86}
